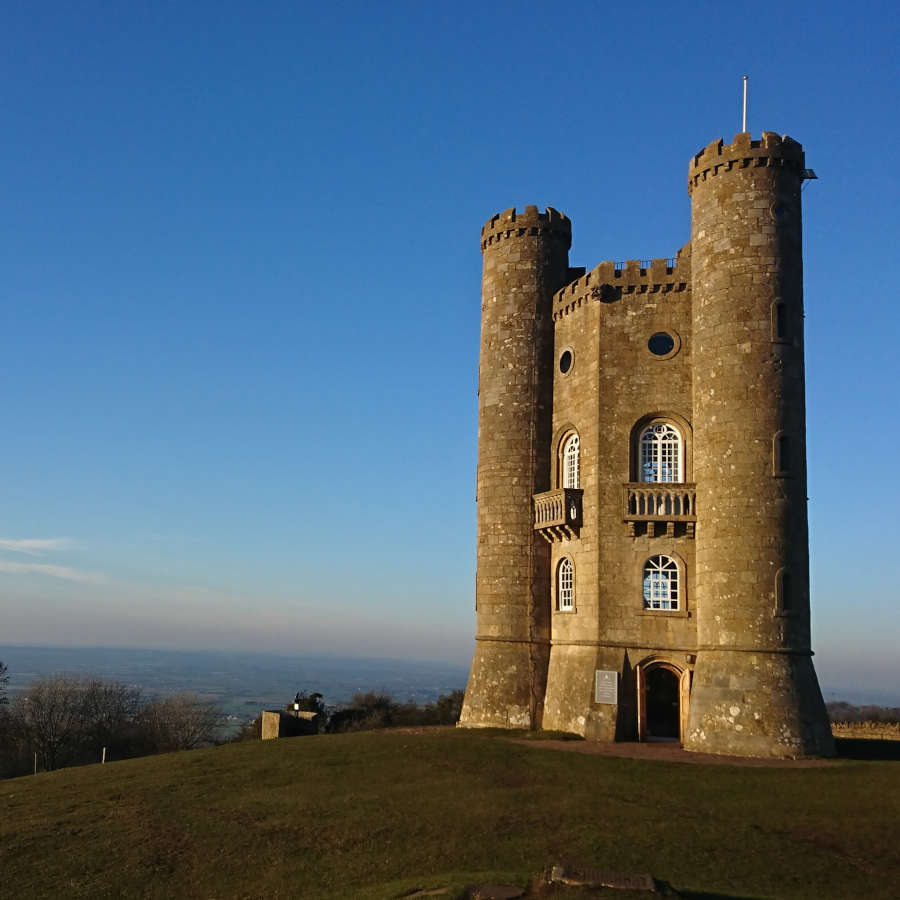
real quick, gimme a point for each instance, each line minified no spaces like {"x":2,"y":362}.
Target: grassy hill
{"x":379,"y":814}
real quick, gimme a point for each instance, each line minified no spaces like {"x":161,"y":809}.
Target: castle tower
{"x":754,"y":690}
{"x":525,"y":262}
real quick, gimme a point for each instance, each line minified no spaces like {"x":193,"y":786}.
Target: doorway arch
{"x":663,"y":695}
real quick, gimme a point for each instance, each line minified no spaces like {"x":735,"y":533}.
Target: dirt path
{"x":668,"y":752}
{"x":664,"y":751}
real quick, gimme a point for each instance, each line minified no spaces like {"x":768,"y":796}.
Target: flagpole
{"x":744,"y":121}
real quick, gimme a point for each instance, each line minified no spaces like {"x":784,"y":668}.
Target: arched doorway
{"x":663,"y":692}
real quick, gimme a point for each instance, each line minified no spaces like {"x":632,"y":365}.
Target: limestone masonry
{"x":643,"y":565}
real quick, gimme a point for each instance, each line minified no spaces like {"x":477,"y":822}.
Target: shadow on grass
{"x":865,"y":748}
{"x":560,"y":892}
{"x":702,"y":895}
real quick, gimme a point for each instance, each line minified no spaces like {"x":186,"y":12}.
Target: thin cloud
{"x":34,"y":546}
{"x":64,"y":572}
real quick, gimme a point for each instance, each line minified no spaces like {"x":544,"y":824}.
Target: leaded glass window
{"x":661,"y":456}
{"x":572,"y":462}
{"x":565,"y":593}
{"x":661,"y":583}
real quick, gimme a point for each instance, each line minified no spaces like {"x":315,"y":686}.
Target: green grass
{"x":378,"y":814}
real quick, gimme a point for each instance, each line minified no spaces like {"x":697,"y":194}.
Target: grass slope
{"x":377,"y":814}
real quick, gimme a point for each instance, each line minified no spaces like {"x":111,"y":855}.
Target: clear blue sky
{"x":240,"y":295}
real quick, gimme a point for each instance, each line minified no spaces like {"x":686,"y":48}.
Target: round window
{"x":565,"y":361}
{"x":661,"y":344}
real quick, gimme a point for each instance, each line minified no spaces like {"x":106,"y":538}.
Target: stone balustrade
{"x":557,"y":514}
{"x":658,"y":503}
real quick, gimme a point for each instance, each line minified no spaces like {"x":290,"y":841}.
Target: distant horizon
{"x":230,"y":651}
{"x":858,"y":694}
{"x":241,"y":683}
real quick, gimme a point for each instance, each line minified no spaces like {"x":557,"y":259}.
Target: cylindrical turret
{"x":525,"y":262}
{"x":755,"y":691}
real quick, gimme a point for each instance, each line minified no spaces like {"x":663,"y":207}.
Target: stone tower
{"x":755,"y":691}
{"x":642,"y":549}
{"x":525,"y":261}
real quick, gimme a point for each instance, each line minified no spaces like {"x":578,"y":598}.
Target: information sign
{"x":606,"y":688}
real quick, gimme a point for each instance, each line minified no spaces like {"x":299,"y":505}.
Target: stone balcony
{"x":557,"y":514}
{"x":660,"y":508}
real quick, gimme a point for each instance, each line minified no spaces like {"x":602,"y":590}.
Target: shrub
{"x":377,"y":710}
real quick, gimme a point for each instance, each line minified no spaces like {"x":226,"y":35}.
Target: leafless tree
{"x":4,"y":681}
{"x":67,"y":719}
{"x":8,"y":745}
{"x":180,"y":722}
{"x":48,"y":717}
{"x":109,"y":711}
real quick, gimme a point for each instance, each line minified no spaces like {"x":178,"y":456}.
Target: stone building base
{"x":757,"y":704}
{"x":569,"y":705}
{"x":506,"y":685}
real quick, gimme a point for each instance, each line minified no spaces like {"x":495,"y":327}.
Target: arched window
{"x":661,"y":453}
{"x":661,"y":583}
{"x":565,"y":585}
{"x":571,"y":460}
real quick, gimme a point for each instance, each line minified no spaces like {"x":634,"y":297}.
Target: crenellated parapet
{"x":515,"y":224}
{"x":743,"y":152}
{"x":610,"y":281}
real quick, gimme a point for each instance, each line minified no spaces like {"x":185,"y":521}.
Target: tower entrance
{"x":663,"y":695}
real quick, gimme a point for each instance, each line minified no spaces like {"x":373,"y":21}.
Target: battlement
{"x":511,"y":223}
{"x":772,"y":150}
{"x":610,"y":280}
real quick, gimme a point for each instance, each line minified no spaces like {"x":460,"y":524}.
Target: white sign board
{"x":606,"y":687}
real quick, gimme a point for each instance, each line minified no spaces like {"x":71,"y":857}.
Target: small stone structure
{"x":642,"y":551}
{"x":277,"y":723}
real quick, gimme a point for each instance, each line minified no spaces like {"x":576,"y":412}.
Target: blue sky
{"x":240,"y":295}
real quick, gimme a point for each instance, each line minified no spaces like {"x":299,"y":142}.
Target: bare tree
{"x":48,"y":717}
{"x":180,"y":722}
{"x":8,"y":744}
{"x":4,"y":681}
{"x":109,"y":711}
{"x":67,"y":720}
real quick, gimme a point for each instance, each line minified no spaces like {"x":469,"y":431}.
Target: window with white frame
{"x":661,"y":588}
{"x":661,"y":453}
{"x":571,"y":460}
{"x":565,"y":585}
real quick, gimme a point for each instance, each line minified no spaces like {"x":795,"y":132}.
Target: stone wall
{"x":878,"y":731}
{"x":288,"y":723}
{"x":615,"y":387}
{"x":270,"y":727}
